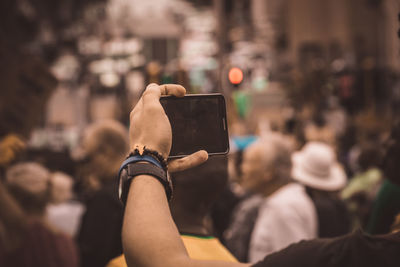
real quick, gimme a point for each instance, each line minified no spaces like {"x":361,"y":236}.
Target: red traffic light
{"x":235,"y":75}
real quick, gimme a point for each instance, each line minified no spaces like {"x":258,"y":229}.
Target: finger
{"x":172,"y":89}
{"x":188,"y":162}
{"x":154,"y":91}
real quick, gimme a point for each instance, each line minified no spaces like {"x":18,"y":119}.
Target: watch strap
{"x":138,"y":158}
{"x":143,"y":168}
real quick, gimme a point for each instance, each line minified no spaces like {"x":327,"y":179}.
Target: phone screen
{"x":198,"y":122}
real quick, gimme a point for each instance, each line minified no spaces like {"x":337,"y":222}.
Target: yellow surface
{"x":198,"y":248}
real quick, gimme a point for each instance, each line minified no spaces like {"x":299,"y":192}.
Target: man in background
{"x":104,"y":147}
{"x":285,"y":213}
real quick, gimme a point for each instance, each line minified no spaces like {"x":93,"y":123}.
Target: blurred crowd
{"x":276,"y":187}
{"x":314,"y":136}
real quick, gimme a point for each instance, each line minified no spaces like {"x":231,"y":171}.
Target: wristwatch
{"x":131,"y":170}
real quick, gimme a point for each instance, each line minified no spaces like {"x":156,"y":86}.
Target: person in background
{"x":104,"y":147}
{"x":39,"y":243}
{"x":396,"y":224}
{"x":235,"y":204}
{"x":318,"y":130}
{"x":244,"y":214}
{"x":195,"y":192}
{"x":387,"y":203}
{"x":237,"y":235}
{"x":362,"y":189}
{"x":11,"y":146}
{"x":286,"y":213}
{"x":63,"y":212}
{"x":315,"y":167}
{"x":12,"y":223}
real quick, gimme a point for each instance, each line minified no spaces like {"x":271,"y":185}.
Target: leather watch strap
{"x":139,"y":168}
{"x":146,"y":168}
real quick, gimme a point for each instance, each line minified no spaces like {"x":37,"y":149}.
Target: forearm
{"x":150,"y":237}
{"x":148,"y":228}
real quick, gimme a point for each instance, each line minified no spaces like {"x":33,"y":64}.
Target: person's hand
{"x":150,"y":127}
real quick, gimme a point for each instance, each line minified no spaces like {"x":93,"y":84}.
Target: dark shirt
{"x":385,"y":208}
{"x":41,"y":247}
{"x":222,"y":211}
{"x":353,"y":250}
{"x":99,"y":238}
{"x":238,"y":235}
{"x":332,"y":213}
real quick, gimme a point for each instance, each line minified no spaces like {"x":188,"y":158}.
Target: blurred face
{"x":254,"y":170}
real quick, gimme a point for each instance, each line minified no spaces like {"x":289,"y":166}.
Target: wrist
{"x":150,"y":164}
{"x":163,"y":152}
{"x":145,"y":151}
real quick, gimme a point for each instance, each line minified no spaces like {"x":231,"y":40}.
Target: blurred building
{"x":102,"y":54}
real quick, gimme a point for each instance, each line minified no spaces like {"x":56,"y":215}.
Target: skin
{"x":149,"y":235}
{"x":258,"y":176}
{"x":254,"y":171}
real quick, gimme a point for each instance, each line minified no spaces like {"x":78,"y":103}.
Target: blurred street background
{"x":68,"y":63}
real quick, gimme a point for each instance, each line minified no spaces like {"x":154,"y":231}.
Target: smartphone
{"x":198,"y":122}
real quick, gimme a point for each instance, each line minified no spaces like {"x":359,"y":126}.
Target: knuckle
{"x":150,"y":86}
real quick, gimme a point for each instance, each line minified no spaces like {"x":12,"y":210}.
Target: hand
{"x":150,"y":127}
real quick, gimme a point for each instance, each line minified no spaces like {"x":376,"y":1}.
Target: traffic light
{"x":235,"y":76}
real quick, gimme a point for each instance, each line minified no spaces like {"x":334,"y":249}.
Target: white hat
{"x":316,"y":166}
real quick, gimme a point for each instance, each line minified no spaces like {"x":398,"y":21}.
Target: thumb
{"x":188,"y":162}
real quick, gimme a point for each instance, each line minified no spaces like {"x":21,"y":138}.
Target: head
{"x":370,"y":156}
{"x":196,"y":189}
{"x":265,"y":162}
{"x":61,"y":187}
{"x":316,"y":167}
{"x":318,"y":119}
{"x":104,"y":146}
{"x":29,"y":183}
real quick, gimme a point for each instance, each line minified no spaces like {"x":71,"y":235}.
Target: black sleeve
{"x":354,"y":250}
{"x":316,"y":252}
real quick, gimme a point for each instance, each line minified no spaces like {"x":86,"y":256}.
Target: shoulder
{"x":298,"y":254}
{"x":291,"y":197}
{"x":376,"y":251}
